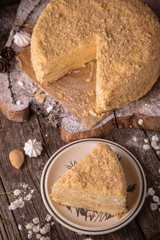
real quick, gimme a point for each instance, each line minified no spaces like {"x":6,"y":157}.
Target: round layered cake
{"x":123,"y":36}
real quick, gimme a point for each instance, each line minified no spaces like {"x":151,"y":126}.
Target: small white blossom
{"x":52,"y":223}
{"x":154,"y":145}
{"x":29,"y":226}
{"x":38,"y":236}
{"x":20,"y":227}
{"x":151,"y":191}
{"x":16,"y":192}
{"x":134,"y":139}
{"x":48,"y":218}
{"x":18,"y":203}
{"x":45,"y":229}
{"x":30,"y":234}
{"x":25,"y":185}
{"x":158,"y":152}
{"x":155,"y":198}
{"x":28,"y":197}
{"x":155,"y":138}
{"x":154,"y":206}
{"x":140,"y":121}
{"x":146,"y":146}
{"x":146,"y":140}
{"x":36,"y":228}
{"x":35,"y":220}
{"x":32,"y":191}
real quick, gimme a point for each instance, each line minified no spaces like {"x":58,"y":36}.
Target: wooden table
{"x":13,"y":135}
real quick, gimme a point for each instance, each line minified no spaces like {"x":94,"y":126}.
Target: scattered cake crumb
{"x":88,"y":79}
{"x":36,"y":89}
{"x":140,"y":121}
{"x":40,"y":96}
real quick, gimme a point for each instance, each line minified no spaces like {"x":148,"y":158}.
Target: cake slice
{"x":96,"y":183}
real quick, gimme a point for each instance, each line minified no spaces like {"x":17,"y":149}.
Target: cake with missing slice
{"x":123,"y":36}
{"x":96,"y":183}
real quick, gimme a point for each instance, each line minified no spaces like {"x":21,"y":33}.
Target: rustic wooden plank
{"x":150,"y":164}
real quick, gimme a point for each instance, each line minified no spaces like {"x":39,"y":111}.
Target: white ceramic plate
{"x":82,"y":220}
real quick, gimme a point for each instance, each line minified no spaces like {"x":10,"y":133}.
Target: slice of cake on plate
{"x":96,"y":183}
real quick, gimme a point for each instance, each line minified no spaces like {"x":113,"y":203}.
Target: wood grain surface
{"x":14,"y":135}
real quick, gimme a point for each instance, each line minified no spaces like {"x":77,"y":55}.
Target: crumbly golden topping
{"x":99,"y":172}
{"x":127,"y":38}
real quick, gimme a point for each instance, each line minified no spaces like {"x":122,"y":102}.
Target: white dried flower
{"x":155,"y":138}
{"x":32,"y":191}
{"x":20,"y":227}
{"x":52,"y":223}
{"x":18,"y":203}
{"x":134,"y":139}
{"x":151,"y":191}
{"x":16,"y":192}
{"x":28,"y":197}
{"x":25,"y":185}
{"x":36,"y":228}
{"x":35,"y":220}
{"x":146,"y":146}
{"x":154,"y":206}
{"x":158,"y":152}
{"x":29,"y":226}
{"x":45,"y":229}
{"x":155,"y":198}
{"x":154,"y":145}
{"x":30,"y":233}
{"x":140,"y":121}
{"x":38,"y":236}
{"x":48,"y":218}
{"x":146,"y":140}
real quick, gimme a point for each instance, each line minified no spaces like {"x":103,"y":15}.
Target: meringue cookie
{"x":22,"y":39}
{"x":33,"y":148}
